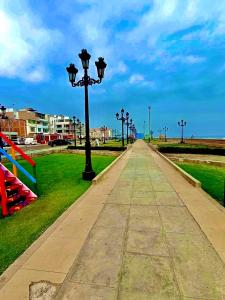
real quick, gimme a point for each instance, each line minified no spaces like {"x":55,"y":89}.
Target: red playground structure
{"x":14,"y":194}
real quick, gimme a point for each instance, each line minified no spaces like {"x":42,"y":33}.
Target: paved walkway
{"x":140,"y":243}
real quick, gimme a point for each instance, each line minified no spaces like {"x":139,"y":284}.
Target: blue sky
{"x":169,"y":54}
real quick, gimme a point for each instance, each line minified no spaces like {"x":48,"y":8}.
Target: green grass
{"x":211,"y":177}
{"x":112,"y":143}
{"x":59,"y":185}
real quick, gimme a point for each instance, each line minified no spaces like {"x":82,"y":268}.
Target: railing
{"x":3,"y":194}
{"x":16,"y":164}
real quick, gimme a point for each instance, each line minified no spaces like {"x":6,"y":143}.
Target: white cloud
{"x":168,"y":17}
{"x":140,"y":80}
{"x":136,"y":78}
{"x":24,"y":45}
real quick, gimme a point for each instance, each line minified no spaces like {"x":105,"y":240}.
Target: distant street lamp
{"x":133,"y":131}
{"x":127,"y":123}
{"x":104,"y":129}
{"x":149,"y":124}
{"x":165,"y":130}
{"x":86,"y":80}
{"x":130,"y":124}
{"x":74,"y":129}
{"x":122,"y":118}
{"x":80,"y":131}
{"x":182,"y":123}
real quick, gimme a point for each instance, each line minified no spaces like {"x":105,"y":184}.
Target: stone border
{"x":100,"y":176}
{"x":187,"y":176}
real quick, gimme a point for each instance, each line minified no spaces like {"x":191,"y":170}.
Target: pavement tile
{"x":142,"y":193}
{"x":160,"y":186}
{"x":151,"y":242}
{"x":76,"y":291}
{"x":150,"y":200}
{"x":100,"y":259}
{"x":121,"y":192}
{"x":178,"y":220}
{"x":199,"y":270}
{"x":150,"y":275}
{"x":144,"y":218}
{"x":168,"y":198}
{"x":117,"y":199}
{"x":113,"y":215}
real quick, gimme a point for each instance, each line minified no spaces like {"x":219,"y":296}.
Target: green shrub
{"x":193,"y":149}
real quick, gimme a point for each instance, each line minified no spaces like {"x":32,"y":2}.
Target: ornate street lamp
{"x":133,"y":131}
{"x":127,"y":123}
{"x":73,"y":122}
{"x":86,"y":80}
{"x":80,"y":128}
{"x":130,"y":124}
{"x":122,"y":118}
{"x":165,"y":130}
{"x":182,"y":123}
{"x":104,"y":129}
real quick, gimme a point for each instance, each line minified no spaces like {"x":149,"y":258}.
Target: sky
{"x":167,"y":54}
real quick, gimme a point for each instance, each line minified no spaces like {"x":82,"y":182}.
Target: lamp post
{"x":80,"y":128}
{"x":127,"y":123}
{"x":133,"y":130}
{"x":122,"y":118}
{"x":86,"y":80}
{"x":165,"y":130}
{"x":74,"y":130}
{"x":149,"y":124}
{"x":182,"y":123}
{"x":103,"y":129}
{"x":130,"y":124}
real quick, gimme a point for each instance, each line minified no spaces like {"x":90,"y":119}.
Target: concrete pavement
{"x":142,"y":233}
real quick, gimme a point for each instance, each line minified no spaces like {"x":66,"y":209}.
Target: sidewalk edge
{"x":187,"y":176}
{"x":100,"y":176}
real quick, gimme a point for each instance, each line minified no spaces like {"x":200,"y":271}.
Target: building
{"x":36,"y":123}
{"x":30,"y":123}
{"x":13,"y":128}
{"x":98,"y":133}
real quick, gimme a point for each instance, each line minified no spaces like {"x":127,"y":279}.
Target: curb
{"x":188,"y":177}
{"x":100,"y":176}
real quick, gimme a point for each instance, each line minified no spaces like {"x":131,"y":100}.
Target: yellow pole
{"x":14,"y":157}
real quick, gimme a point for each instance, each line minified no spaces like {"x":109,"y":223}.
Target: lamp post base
{"x":88,"y":175}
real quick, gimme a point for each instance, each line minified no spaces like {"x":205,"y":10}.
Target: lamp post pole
{"x":103,"y":129}
{"x":165,"y":130}
{"x":74,"y":131}
{"x":88,"y":173}
{"x":127,"y":123}
{"x":149,"y":124}
{"x":122,"y":118}
{"x":80,"y":127}
{"x":182,"y":123}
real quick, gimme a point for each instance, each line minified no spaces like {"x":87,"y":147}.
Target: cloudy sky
{"x":169,"y":54}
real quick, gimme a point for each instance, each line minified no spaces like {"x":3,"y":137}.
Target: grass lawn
{"x":59,"y":185}
{"x":112,"y":143}
{"x":211,"y":177}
